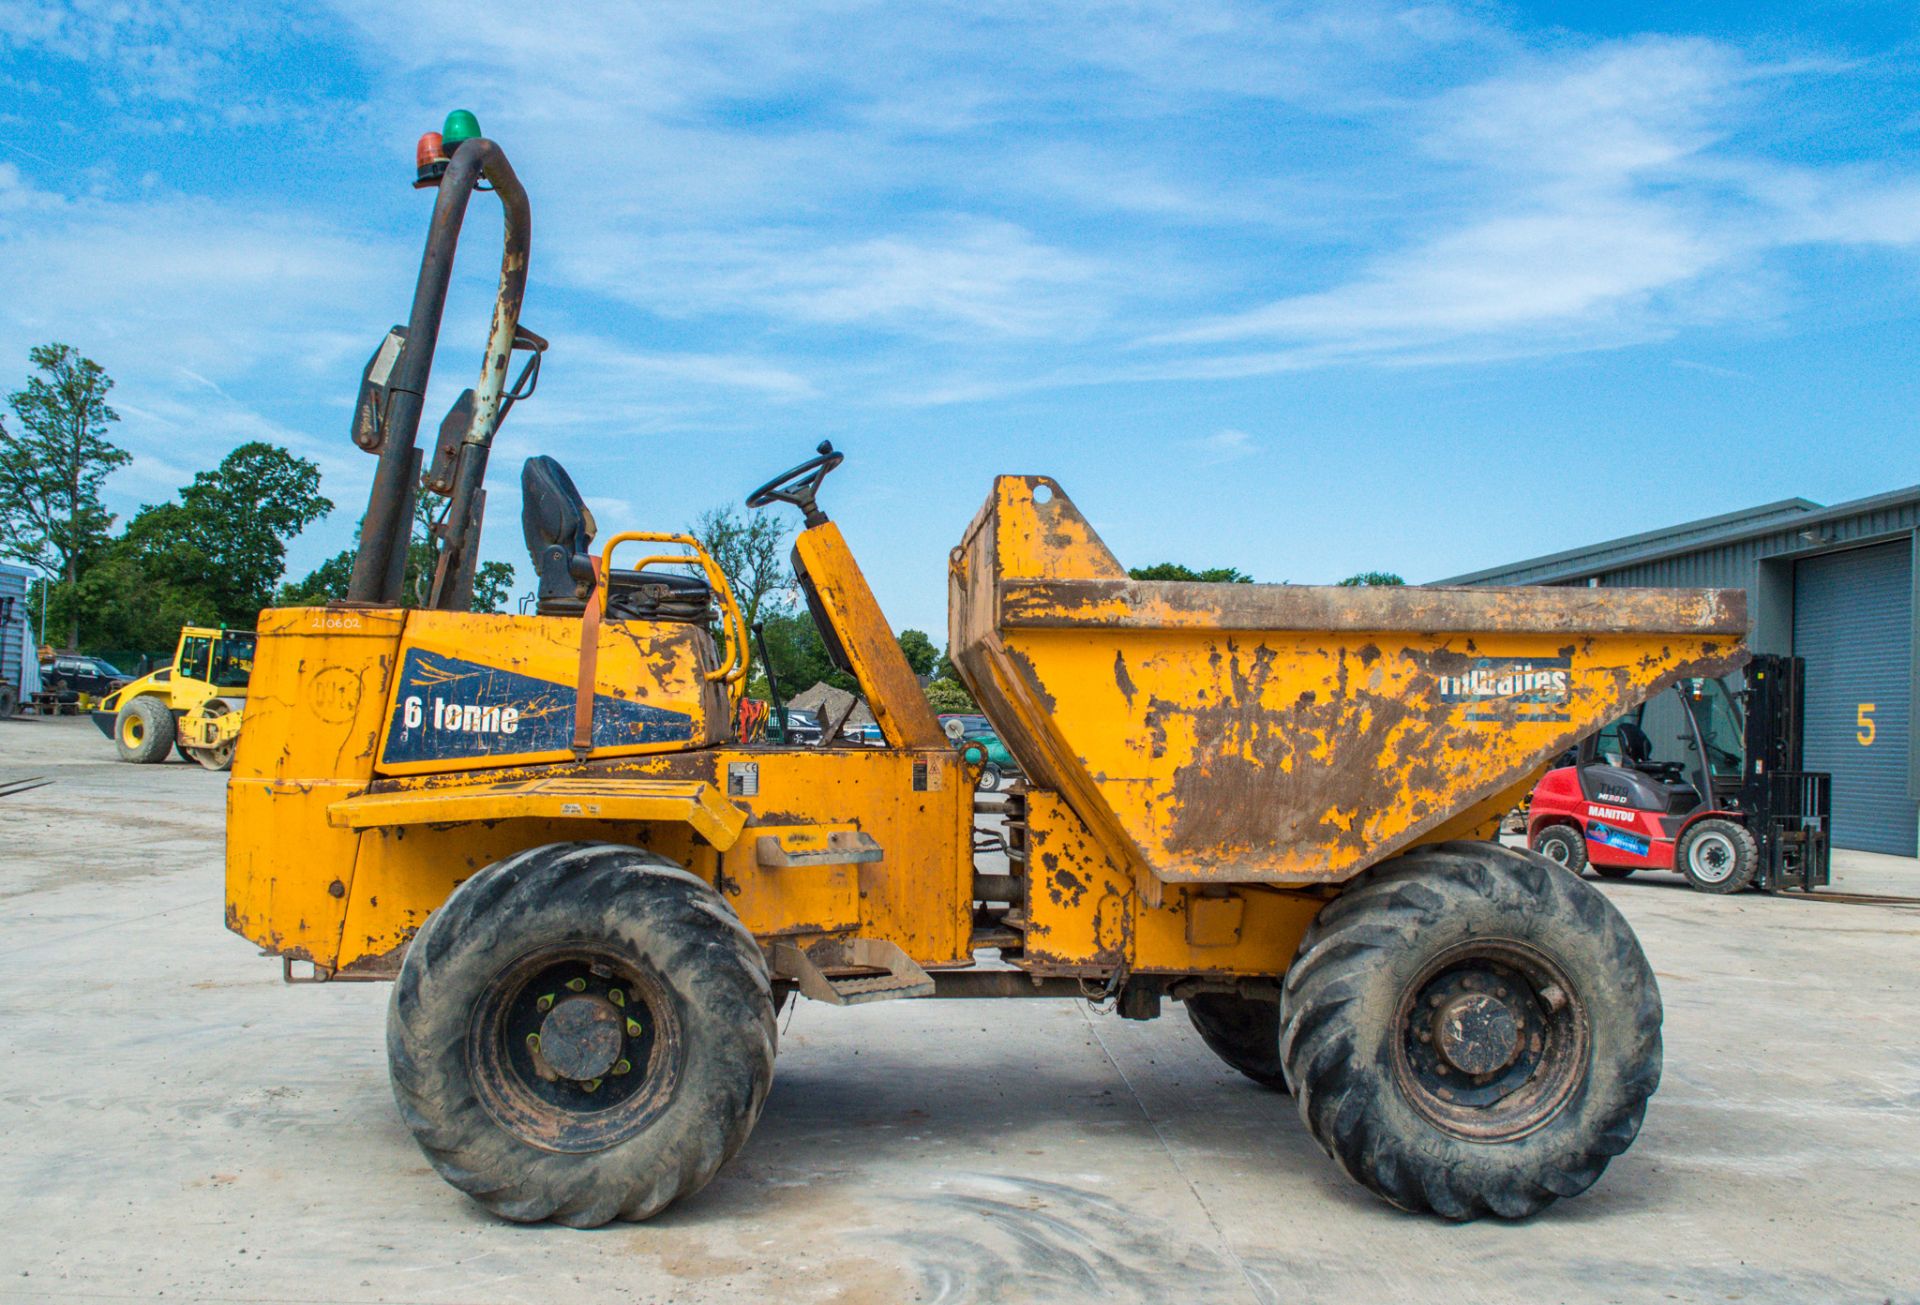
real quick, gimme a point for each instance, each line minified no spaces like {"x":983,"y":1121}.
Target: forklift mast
{"x":1790,"y":810}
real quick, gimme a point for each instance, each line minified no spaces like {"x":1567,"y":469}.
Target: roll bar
{"x":379,"y":567}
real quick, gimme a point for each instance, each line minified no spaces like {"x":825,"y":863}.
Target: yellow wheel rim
{"x":131,"y":730}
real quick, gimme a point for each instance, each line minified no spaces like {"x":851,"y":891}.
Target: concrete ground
{"x":177,"y":1123}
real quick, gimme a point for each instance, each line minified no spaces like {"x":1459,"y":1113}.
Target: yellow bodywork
{"x":1205,"y":763}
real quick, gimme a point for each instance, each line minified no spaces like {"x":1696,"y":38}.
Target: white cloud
{"x":1594,"y":206}
{"x":1228,"y":444}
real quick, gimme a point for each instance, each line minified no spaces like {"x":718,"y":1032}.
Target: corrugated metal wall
{"x":13,"y":586}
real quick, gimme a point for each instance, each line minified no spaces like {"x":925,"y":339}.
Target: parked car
{"x":868,"y":735}
{"x":803,"y":727}
{"x":969,"y":727}
{"x":71,"y":676}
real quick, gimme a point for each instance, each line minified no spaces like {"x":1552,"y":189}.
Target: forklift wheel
{"x":144,"y":730}
{"x":1470,"y":1030}
{"x":1243,"y":1032}
{"x":1565,"y":846}
{"x":1717,"y":856}
{"x":583,"y":1032}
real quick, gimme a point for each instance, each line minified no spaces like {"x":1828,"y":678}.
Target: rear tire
{"x":1243,"y":1032}
{"x":582,"y":1032}
{"x":144,"y":730}
{"x":991,"y":778}
{"x":1717,"y":856}
{"x":1565,"y":846}
{"x":9,"y":701}
{"x":1449,"y":958}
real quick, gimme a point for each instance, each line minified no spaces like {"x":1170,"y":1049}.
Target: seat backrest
{"x":559,"y":533}
{"x":1634,"y":742}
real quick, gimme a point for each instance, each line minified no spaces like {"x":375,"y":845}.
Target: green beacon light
{"x":461,"y":127}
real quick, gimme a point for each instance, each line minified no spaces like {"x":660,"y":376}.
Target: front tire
{"x":1717,"y":856}
{"x":144,"y":730}
{"x":1471,"y":1030}
{"x":582,"y":1032}
{"x":1563,"y":845}
{"x":1243,"y":1032}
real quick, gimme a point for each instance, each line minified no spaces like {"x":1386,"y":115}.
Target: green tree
{"x":1370,"y":578}
{"x":228,"y":534}
{"x":751,"y":552}
{"x":492,"y":586}
{"x":1218,"y":575}
{"x":492,"y":581}
{"x":800,"y":658}
{"x":52,"y":470}
{"x":212,"y":557}
{"x":921,"y":654}
{"x":945,"y":695}
{"x":799,"y":654}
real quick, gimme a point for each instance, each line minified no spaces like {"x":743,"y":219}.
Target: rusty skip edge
{"x":1531,"y":609}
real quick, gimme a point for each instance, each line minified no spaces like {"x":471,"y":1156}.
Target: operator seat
{"x":1638,"y":749}
{"x":559,"y":532}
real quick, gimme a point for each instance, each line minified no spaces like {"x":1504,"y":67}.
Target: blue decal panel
{"x":450,"y":709}
{"x":1620,"y":838}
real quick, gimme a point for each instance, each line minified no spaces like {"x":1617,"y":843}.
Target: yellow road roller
{"x":193,"y":705}
{"x":1273,"y":804}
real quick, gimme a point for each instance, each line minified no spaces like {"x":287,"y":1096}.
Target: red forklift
{"x":1705,"y":780}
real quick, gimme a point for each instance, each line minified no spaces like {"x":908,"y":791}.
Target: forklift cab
{"x":1673,"y":753}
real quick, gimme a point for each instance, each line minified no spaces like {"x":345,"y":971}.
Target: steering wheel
{"x":798,"y":485}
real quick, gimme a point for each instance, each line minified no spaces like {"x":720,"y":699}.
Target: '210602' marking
{"x":334,"y":621}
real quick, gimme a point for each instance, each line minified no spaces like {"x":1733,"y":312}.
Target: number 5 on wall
{"x":1867,"y":731}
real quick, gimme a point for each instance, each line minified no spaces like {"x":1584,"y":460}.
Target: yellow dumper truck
{"x":1270,"y":803}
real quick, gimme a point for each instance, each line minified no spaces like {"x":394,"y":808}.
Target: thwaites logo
{"x":1538,"y":687}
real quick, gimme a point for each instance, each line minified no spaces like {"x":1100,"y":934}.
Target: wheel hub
{"x":581,"y":1038}
{"x":1491,"y":1041}
{"x":1713,"y":859}
{"x":573,"y":1048}
{"x":1476,"y":1033}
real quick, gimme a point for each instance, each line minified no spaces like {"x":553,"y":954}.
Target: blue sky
{"x":1300,"y":289}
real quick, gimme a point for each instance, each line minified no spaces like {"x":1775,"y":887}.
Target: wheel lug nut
{"x":633,"y":1028}
{"x":533,"y":1042}
{"x":617,"y":997}
{"x":544,"y":1004}
{"x":576,"y":985}
{"x":622,"y":1066}
{"x":591,"y":1085}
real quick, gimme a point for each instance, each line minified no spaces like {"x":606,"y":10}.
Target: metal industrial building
{"x":1835,"y":585}
{"x":15,"y":647}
